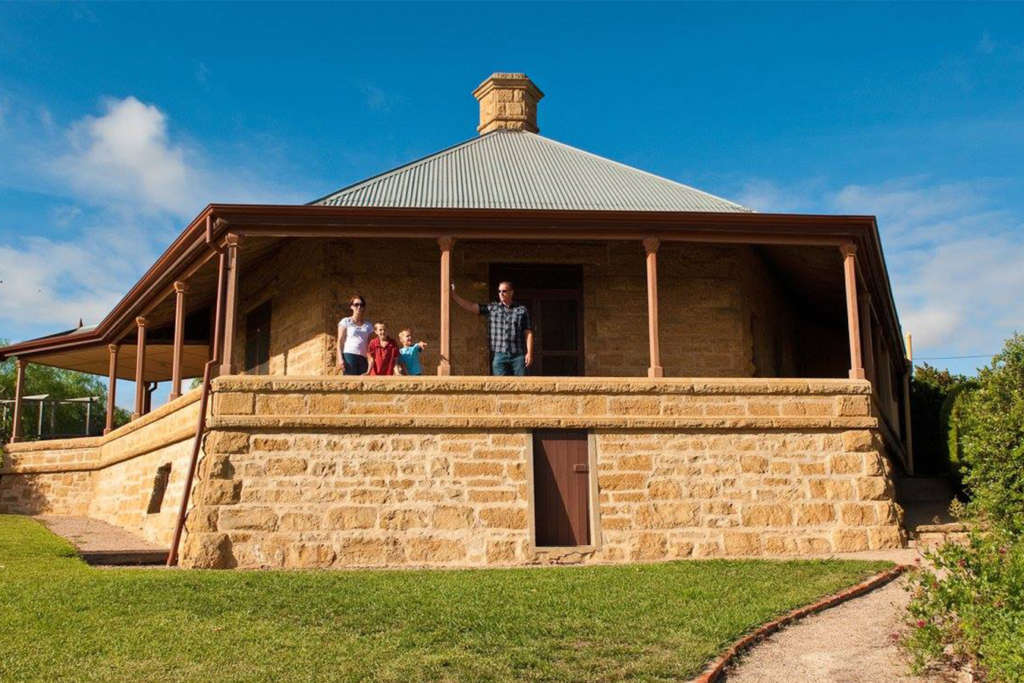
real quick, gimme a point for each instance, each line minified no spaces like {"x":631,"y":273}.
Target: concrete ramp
{"x":100,"y":543}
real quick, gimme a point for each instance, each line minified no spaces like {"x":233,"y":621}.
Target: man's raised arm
{"x":468,"y":305}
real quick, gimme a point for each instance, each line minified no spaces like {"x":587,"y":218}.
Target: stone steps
{"x":926,"y":516}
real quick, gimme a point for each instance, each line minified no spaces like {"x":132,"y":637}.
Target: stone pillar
{"x":444,"y":366}
{"x":140,"y":369}
{"x":180,"y":289}
{"x":651,"y":248}
{"x":849,"y":251}
{"x":111,"y":387}
{"x":230,"y":304}
{"x":19,"y":391}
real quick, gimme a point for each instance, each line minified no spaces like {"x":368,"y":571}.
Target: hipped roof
{"x":512,"y":169}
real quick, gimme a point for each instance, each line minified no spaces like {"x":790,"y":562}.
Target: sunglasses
{"x":358,"y":305}
{"x":504,"y":291}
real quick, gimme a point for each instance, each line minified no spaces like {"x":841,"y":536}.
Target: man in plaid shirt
{"x":509,"y":328}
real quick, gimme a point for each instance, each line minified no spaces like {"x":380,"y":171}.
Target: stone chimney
{"x":509,"y":102}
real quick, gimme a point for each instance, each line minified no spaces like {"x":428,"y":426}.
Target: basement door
{"x":561,"y":481}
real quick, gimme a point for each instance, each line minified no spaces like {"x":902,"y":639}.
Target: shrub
{"x":971,"y":606}
{"x":935,"y":397}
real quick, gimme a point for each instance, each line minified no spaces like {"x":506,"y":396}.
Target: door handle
{"x":580,"y":468}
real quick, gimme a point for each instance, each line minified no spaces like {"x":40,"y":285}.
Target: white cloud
{"x":128,"y":157}
{"x":47,"y":284}
{"x":126,"y":154}
{"x":122,"y":185}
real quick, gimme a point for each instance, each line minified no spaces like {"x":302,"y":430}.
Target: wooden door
{"x":561,"y":481}
{"x":257,"y":340}
{"x":553,"y":294}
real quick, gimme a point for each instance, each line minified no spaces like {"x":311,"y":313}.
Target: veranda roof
{"x":509,"y":169}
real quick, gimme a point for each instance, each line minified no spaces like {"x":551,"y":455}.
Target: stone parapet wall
{"x":109,"y":477}
{"x":433,"y":471}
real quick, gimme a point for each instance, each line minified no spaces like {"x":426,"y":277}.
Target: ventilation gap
{"x":156,"y":499}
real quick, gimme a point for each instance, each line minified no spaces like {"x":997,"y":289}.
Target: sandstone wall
{"x":291,"y":278}
{"x":722,"y":313}
{"x":110,"y":477}
{"x":437,"y":471}
{"x":400,"y":280}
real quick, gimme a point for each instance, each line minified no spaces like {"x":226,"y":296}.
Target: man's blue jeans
{"x":508,"y":364}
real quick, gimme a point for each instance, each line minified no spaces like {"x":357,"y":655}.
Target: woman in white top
{"x":353,"y":335}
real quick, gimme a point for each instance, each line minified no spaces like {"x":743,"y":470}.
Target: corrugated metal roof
{"x":522,"y":170}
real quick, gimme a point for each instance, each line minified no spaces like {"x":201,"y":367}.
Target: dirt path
{"x":850,"y":643}
{"x":104,"y":544}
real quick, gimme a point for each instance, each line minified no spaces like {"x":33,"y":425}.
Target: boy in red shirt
{"x":382,"y":352}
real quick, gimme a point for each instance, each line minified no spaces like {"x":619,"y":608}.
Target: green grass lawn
{"x":61,"y":618}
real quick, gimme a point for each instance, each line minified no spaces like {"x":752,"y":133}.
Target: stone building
{"x":708,"y":380}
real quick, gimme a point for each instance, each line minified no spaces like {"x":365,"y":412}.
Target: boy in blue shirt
{"x":409,"y":353}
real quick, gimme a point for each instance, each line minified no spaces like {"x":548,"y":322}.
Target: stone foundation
{"x":391,"y":472}
{"x":437,"y":471}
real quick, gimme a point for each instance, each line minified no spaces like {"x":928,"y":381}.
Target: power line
{"x":979,"y":355}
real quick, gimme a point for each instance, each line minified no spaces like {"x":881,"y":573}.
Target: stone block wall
{"x":722,"y":313}
{"x":110,"y":477}
{"x":391,"y":472}
{"x":291,"y":278}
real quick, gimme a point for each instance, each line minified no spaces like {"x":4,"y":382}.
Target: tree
{"x":58,"y":384}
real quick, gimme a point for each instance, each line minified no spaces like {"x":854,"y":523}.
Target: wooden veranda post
{"x":908,"y":376}
{"x":651,"y":249}
{"x":849,"y":252}
{"x":444,"y":366}
{"x":868,"y":343}
{"x":230,"y":303}
{"x":19,"y":391}
{"x":140,"y":369}
{"x":180,"y":289}
{"x":111,"y":387}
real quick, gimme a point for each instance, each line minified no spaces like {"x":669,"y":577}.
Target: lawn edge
{"x":713,"y":672}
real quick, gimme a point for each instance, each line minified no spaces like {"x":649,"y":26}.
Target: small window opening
{"x":156,"y":499}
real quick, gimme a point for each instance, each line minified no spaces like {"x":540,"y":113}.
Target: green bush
{"x":935,"y":396}
{"x":971,"y":606}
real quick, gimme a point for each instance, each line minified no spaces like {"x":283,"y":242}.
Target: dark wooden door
{"x":554,"y":296}
{"x":257,"y":340}
{"x":561,"y":480}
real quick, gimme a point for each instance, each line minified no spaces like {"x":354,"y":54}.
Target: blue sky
{"x":121,"y":120}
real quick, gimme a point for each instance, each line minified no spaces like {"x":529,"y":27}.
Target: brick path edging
{"x":714,"y":670}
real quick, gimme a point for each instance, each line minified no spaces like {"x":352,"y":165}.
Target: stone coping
{"x":399,"y":421}
{"x":99,"y":462}
{"x":87,"y":453}
{"x":556,"y":385}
